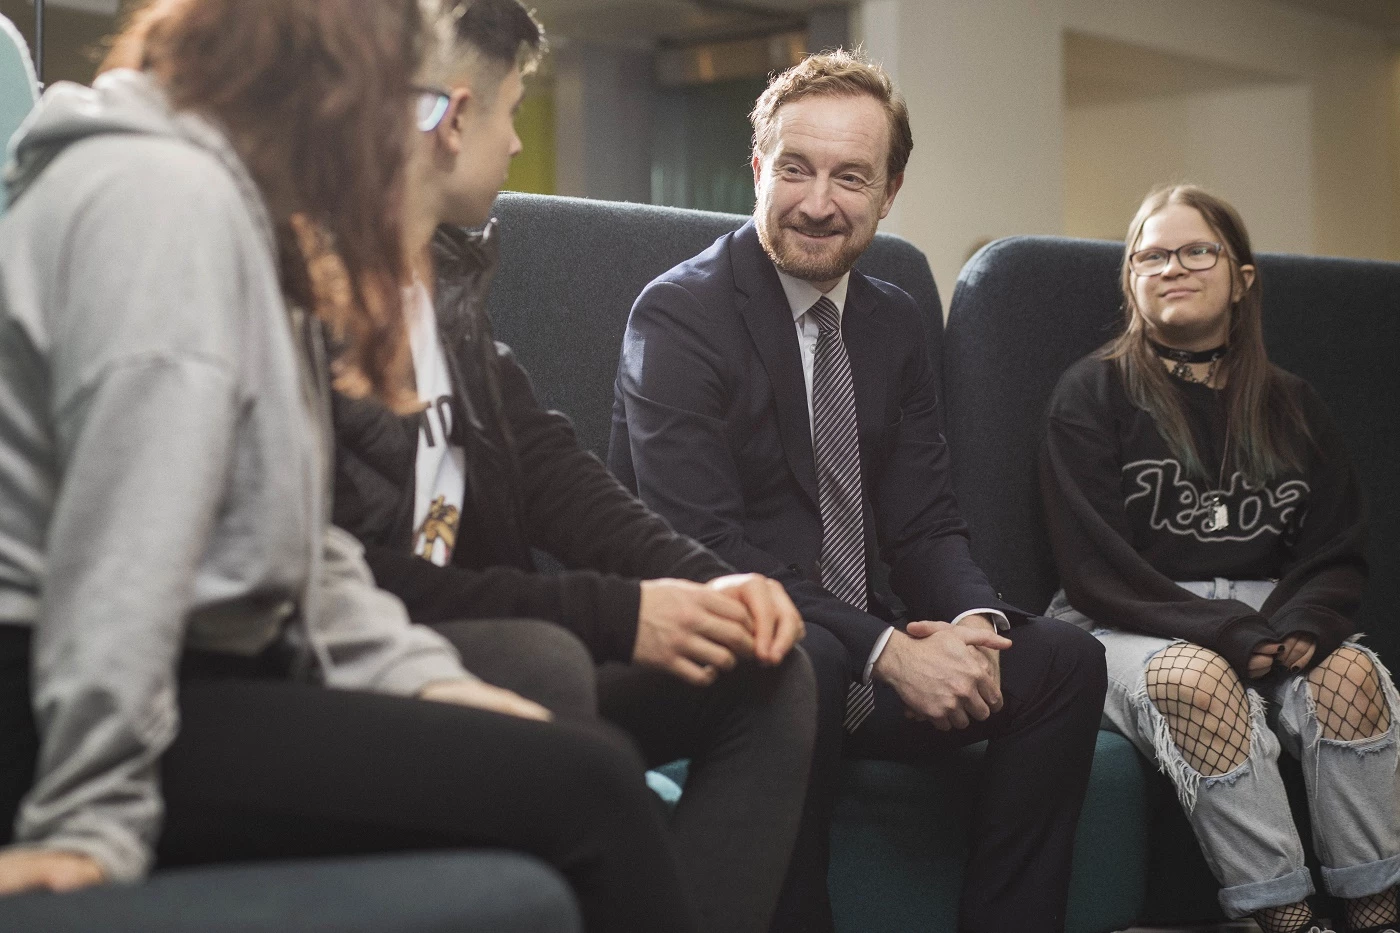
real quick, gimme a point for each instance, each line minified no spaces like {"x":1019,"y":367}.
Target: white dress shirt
{"x":801,"y":295}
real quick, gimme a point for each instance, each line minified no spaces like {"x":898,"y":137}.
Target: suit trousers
{"x":268,"y":768}
{"x":1040,"y":749}
{"x":749,"y":740}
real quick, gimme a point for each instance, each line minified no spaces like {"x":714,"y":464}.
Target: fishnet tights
{"x":1290,"y":918}
{"x":1350,"y":703}
{"x":1377,"y":911}
{"x":1204,"y":704}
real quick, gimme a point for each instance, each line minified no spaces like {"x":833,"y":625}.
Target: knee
{"x":1349,"y":696}
{"x":1077,"y":666}
{"x":830,"y":667}
{"x":566,"y":667}
{"x":602,"y":764}
{"x":539,"y":660}
{"x":1204,"y":705}
{"x":1184,"y":677}
{"x":1083,"y":654}
{"x":794,"y":690}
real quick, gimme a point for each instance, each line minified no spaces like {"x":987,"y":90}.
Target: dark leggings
{"x":266,"y":768}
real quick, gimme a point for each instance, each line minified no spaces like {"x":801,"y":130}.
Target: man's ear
{"x":757,"y":164}
{"x":450,"y":129}
{"x":891,"y":190}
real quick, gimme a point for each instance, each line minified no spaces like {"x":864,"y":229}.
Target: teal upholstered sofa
{"x":1024,"y":309}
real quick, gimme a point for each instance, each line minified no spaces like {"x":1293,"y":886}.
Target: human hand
{"x":47,"y":870}
{"x":1263,"y":658}
{"x":1297,"y":650}
{"x":940,"y":674}
{"x":993,"y":655}
{"x":691,"y":630}
{"x":774,"y":621}
{"x":481,"y":695}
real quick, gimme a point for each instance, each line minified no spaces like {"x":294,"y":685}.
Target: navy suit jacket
{"x":710,"y":428}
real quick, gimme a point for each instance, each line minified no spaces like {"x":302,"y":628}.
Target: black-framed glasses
{"x":431,"y":107}
{"x":1197,"y":257}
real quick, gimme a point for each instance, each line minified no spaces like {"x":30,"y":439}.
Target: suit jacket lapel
{"x":768,"y":317}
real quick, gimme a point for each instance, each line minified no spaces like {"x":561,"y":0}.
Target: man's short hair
{"x":835,"y":74}
{"x":503,"y":32}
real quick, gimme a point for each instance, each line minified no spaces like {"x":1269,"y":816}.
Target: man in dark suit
{"x":781,"y":409}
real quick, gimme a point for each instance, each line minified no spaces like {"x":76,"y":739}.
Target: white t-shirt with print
{"x":440,"y":478}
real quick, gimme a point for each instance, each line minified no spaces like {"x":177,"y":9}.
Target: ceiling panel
{"x":1382,"y":13}
{"x":1104,"y":71}
{"x":649,"y":21}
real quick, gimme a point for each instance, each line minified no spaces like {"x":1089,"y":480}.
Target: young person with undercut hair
{"x":194,"y":666}
{"x":696,"y":661}
{"x":1209,"y":531}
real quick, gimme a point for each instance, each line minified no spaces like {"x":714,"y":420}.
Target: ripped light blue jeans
{"x":1241,"y":818}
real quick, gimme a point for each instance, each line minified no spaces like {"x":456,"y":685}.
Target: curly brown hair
{"x":316,"y":99}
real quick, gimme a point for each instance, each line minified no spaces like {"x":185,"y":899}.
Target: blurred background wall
{"x":1030,"y":116}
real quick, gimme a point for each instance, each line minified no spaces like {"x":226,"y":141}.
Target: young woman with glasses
{"x":1208,"y":527}
{"x":193,"y":665}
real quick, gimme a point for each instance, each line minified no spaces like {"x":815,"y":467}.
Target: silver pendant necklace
{"x":1219,"y":517}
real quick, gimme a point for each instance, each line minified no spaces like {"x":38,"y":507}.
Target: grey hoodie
{"x":163,"y":457}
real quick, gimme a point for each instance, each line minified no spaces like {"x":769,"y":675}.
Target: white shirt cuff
{"x":880,"y":644}
{"x":999,"y":620}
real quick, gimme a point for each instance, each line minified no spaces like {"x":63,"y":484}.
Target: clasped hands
{"x":1292,"y":654}
{"x":694,"y":631}
{"x":949,"y":675}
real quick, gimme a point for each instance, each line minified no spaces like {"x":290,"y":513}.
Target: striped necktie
{"x":836,"y":447}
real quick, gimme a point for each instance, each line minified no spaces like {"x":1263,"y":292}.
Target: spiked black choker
{"x":1184,"y":358}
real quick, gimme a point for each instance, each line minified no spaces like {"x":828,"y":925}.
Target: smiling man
{"x":780,"y":408}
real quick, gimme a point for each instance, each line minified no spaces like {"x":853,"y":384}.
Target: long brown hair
{"x":314,"y":97}
{"x":1268,"y":433}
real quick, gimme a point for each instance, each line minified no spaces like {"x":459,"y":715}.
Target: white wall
{"x":1347,"y":138}
{"x":1308,"y":148}
{"x":1252,"y":146}
{"x":985,"y":91}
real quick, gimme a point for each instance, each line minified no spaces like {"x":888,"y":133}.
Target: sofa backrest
{"x":1025,"y":308}
{"x":571,"y":268}
{"x":19,"y":87}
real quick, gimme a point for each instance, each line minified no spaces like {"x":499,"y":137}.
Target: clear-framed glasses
{"x":431,"y":107}
{"x":1196,"y":257}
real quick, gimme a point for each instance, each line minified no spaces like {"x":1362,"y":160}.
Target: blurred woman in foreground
{"x":184,"y":642}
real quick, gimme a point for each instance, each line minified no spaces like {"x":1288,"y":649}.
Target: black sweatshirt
{"x":1126,"y":521}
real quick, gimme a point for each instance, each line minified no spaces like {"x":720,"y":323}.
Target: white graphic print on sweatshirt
{"x":440,"y":476}
{"x":1183,"y":508}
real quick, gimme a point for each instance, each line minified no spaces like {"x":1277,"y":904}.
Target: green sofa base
{"x":899,"y":841}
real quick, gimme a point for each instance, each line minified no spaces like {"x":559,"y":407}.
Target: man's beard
{"x":800,"y":264}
